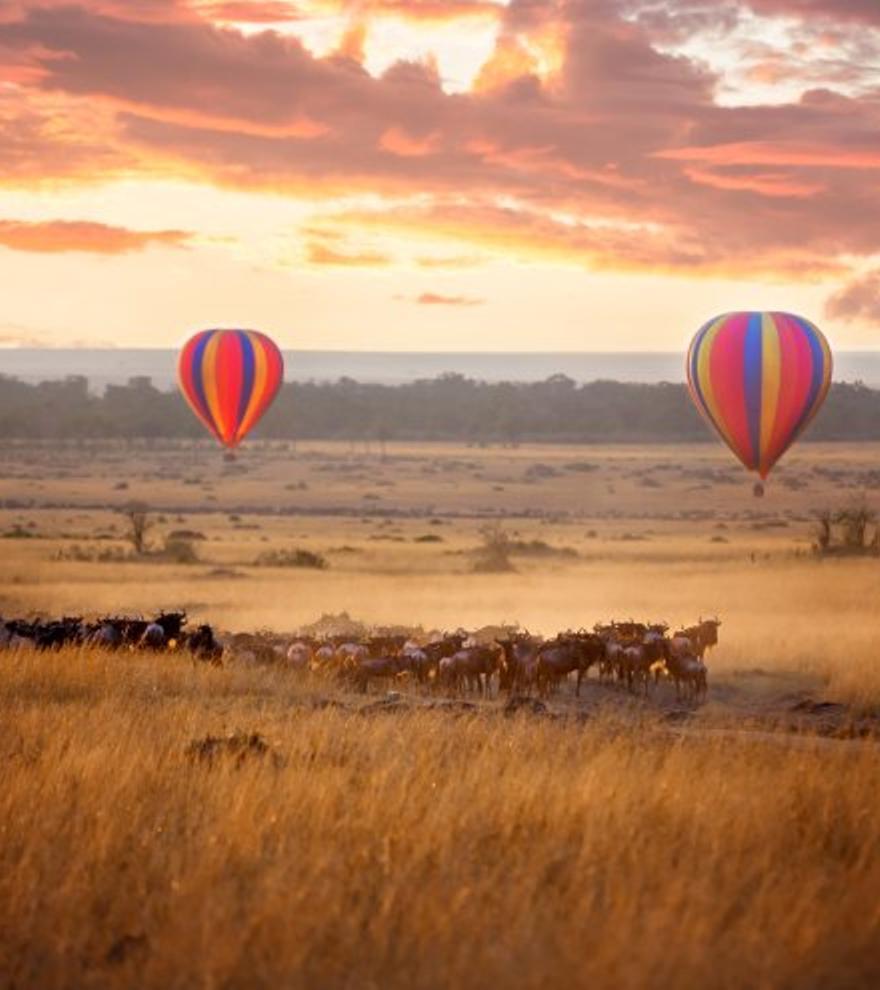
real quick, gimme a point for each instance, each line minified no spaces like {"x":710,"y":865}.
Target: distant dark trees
{"x":450,"y":407}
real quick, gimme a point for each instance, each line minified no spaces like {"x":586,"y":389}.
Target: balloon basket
{"x":758,"y":490}
{"x":229,"y":456}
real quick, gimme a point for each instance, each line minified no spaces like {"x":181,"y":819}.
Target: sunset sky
{"x":436,"y":174}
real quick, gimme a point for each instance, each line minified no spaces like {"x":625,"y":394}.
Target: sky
{"x":579,"y":175}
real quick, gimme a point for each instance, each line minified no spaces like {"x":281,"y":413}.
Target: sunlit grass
{"x":413,"y":850}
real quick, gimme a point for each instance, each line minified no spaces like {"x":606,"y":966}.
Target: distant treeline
{"x":451,"y":407}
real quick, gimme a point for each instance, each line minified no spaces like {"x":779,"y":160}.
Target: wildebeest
{"x":18,"y":634}
{"x":568,"y":653}
{"x":688,"y":671}
{"x":518,"y":671}
{"x":375,"y":668}
{"x":153,"y":637}
{"x":203,"y":645}
{"x":105,"y":634}
{"x":472,"y":667}
{"x":299,"y":653}
{"x":639,"y":659}
{"x":702,"y":637}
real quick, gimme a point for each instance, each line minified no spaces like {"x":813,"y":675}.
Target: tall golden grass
{"x":414,"y":850}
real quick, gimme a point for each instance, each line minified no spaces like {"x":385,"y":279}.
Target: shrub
{"x":178,"y":551}
{"x":292,"y":558}
{"x":493,"y":556}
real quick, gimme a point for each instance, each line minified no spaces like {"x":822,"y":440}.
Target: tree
{"x":137,"y":518}
{"x":855,"y":520}
{"x":493,"y":556}
{"x":824,"y":530}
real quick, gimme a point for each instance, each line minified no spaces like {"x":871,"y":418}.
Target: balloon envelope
{"x":229,"y":378}
{"x":759,"y":378}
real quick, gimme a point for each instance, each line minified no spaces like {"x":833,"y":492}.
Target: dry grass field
{"x":621,"y":843}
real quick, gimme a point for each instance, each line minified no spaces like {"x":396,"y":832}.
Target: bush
{"x":93,"y":555}
{"x":292,"y":558}
{"x":851,"y":531}
{"x":493,"y":556}
{"x":538,"y":548}
{"x":18,"y":532}
{"x":178,"y":551}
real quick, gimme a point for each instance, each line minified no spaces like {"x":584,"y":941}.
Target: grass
{"x":418,"y":850}
{"x":422,"y":849}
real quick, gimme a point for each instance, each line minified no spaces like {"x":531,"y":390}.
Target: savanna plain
{"x":604,"y":840}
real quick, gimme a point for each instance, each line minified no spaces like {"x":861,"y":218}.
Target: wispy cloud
{"x":857,"y":301}
{"x":58,"y":236}
{"x":321,"y":254}
{"x":439,"y":299}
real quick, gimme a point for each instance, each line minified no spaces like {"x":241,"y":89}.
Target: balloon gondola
{"x":759,"y":379}
{"x":230,"y":378}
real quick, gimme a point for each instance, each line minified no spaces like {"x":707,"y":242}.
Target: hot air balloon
{"x":759,"y":379}
{"x":229,"y":378}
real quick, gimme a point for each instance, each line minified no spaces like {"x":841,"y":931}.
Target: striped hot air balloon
{"x":229,"y":378}
{"x":759,"y":379}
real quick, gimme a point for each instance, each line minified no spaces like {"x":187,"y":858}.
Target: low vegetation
{"x":412,"y":850}
{"x":292,"y":558}
{"x":850,"y":531}
{"x":493,"y":554}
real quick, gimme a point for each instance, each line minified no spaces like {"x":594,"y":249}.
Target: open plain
{"x":422,"y":840}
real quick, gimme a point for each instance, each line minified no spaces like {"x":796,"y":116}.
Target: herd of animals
{"x":635,"y":655}
{"x":165,"y":632}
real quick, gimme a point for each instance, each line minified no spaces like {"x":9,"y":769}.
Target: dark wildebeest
{"x":57,"y":633}
{"x":471,"y":666}
{"x":204,"y":647}
{"x":568,"y":653}
{"x":375,"y":668}
{"x":686,"y":668}
{"x":418,"y":661}
{"x":702,"y":637}
{"x":19,"y":635}
{"x":437,"y":650}
{"x":105,"y":634}
{"x":639,"y":659}
{"x":386,"y":646}
{"x":518,"y":671}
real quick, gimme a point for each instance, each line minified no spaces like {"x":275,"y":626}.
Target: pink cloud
{"x":55,"y":236}
{"x":859,"y":300}
{"x":620,"y":157}
{"x":322,"y":254}
{"x":439,"y":299}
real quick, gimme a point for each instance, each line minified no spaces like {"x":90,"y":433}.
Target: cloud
{"x":585,"y":142}
{"x":14,"y":335}
{"x":248,"y":11}
{"x":398,"y":142}
{"x":857,"y":301}
{"x":530,"y":237}
{"x":438,"y":299}
{"x":453,"y":261}
{"x":56,"y":236}
{"x":776,"y":153}
{"x":834,"y":11}
{"x":426,"y":11}
{"x":321,"y":254}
